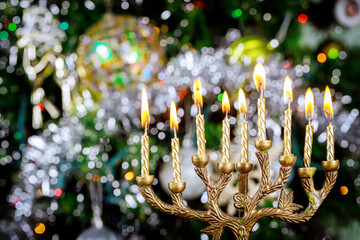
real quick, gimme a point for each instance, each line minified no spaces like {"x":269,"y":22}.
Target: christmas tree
{"x":70,"y":96}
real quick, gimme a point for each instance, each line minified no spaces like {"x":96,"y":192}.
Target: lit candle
{"x":328,"y":109}
{"x":226,"y":128}
{"x":288,"y":98}
{"x":259,"y":77}
{"x":200,"y":130}
{"x":145,"y":122}
{"x":309,"y":111}
{"x":244,"y":127}
{"x":175,"y":146}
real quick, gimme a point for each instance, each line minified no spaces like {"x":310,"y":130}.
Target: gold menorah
{"x":248,"y":206}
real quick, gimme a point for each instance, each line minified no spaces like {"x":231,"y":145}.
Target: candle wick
{"x":226,"y":114}
{"x":309,"y":119}
{"x":199,"y":109}
{"x":175,"y":135}
{"x":261,"y":92}
{"x":289,"y":103}
{"x":146,"y":129}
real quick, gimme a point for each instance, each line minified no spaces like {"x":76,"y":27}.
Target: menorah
{"x":248,"y":206}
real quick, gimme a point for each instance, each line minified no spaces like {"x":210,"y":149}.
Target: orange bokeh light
{"x":303,"y":18}
{"x":40,"y":228}
{"x":344,"y":190}
{"x":129,"y":175}
{"x":321,"y":57}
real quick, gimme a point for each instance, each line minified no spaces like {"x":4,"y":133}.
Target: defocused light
{"x":302,"y":18}
{"x":40,"y":228}
{"x":96,"y":178}
{"x":236,"y":13}
{"x":129,"y":175}
{"x":103,"y":51}
{"x":344,"y":190}
{"x":321,"y":57}
{"x":58,"y":192}
{"x":41,"y":106}
{"x":12,"y":27}
{"x":333,"y":53}
{"x":64,"y":26}
{"x":4,"y":35}
{"x":220,"y":97}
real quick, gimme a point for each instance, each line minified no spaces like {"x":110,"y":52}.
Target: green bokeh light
{"x":4,"y":35}
{"x":131,"y":35}
{"x":17,"y":135}
{"x":220,"y":97}
{"x":103,"y":51}
{"x":12,"y":27}
{"x":134,"y":56}
{"x":333,"y":53}
{"x":236,"y":13}
{"x":64,"y":26}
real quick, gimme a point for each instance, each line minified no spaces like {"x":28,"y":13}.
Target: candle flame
{"x":145,"y":116}
{"x":173,"y":117}
{"x":242,"y":101}
{"x":259,"y":76}
{"x":309,"y":103}
{"x":225,"y":103}
{"x":288,"y":95}
{"x":197,"y":92}
{"x":328,"y":105}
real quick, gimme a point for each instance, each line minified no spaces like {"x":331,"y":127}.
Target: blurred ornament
{"x":196,"y":188}
{"x":40,"y":38}
{"x":118,"y":52}
{"x":347,"y":12}
{"x":95,"y":233}
{"x":248,"y":49}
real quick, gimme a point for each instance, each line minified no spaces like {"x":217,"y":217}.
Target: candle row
{"x":259,"y":77}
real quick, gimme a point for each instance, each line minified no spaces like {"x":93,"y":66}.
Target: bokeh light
{"x":129,"y":175}
{"x":40,"y":228}
{"x":302,"y":18}
{"x":344,"y":190}
{"x":321,"y":57}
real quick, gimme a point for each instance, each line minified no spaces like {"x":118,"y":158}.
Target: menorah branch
{"x":286,"y":209}
{"x":266,"y":185}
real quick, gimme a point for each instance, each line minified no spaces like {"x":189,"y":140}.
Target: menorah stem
{"x":243,"y":182}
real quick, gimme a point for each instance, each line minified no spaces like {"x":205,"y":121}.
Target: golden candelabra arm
{"x":248,"y":206}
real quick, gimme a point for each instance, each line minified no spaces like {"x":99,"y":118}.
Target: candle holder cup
{"x":263,"y":145}
{"x":225,"y":167}
{"x":175,"y":187}
{"x":200,"y":161}
{"x":330,"y":165}
{"x":287,"y":160}
{"x":144,"y":181}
